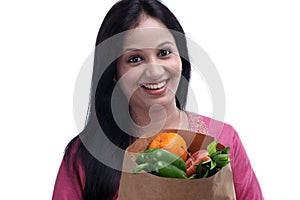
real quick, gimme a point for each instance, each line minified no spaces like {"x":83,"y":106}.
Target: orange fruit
{"x":171,"y":142}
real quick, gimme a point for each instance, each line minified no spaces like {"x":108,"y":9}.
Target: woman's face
{"x":150,"y":67}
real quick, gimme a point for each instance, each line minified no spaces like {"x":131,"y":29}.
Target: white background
{"x":255,"y":46}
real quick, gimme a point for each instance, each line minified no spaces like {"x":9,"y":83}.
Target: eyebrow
{"x":158,"y":46}
{"x":164,"y":43}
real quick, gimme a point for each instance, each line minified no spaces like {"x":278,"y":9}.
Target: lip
{"x":154,"y":86}
{"x":149,"y":87}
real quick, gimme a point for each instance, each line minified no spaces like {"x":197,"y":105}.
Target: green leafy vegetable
{"x":219,"y":159}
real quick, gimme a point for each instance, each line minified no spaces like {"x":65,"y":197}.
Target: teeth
{"x":155,"y":86}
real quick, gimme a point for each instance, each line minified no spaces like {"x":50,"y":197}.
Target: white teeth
{"x":155,"y":86}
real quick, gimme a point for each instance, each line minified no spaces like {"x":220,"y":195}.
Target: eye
{"x":134,"y":59}
{"x":164,"y":52}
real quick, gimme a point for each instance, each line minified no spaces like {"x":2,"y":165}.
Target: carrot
{"x":195,"y":159}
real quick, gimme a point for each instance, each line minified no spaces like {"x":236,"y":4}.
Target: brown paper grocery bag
{"x":145,"y":186}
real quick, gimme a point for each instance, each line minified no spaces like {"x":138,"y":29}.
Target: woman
{"x":140,"y":80}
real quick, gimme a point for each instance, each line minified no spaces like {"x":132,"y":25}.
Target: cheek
{"x":120,"y":69}
{"x":128,"y":79}
{"x":176,"y":66}
{"x":176,"y":69}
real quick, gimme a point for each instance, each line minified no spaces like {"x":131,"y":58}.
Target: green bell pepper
{"x":162,"y":163}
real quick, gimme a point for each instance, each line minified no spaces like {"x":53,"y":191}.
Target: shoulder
{"x":211,"y":124}
{"x":71,"y":149}
{"x":221,"y":131}
{"x":70,"y":178}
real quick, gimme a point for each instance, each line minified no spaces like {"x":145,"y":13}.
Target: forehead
{"x":148,"y":34}
{"x":147,"y":38}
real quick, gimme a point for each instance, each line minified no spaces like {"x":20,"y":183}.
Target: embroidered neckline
{"x":196,"y":123}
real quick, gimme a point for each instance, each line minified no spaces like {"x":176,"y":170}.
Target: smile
{"x":156,"y":86}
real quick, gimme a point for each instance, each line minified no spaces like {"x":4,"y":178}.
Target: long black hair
{"x":93,"y":151}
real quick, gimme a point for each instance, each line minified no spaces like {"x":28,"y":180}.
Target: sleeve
{"x":246,"y":184}
{"x":70,"y":180}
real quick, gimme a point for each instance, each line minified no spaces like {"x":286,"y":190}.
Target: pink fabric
{"x":69,"y":184}
{"x":245,"y":182}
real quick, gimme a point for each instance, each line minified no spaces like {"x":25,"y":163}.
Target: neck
{"x":156,"y":118}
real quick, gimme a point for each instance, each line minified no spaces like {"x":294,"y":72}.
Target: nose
{"x":154,"y":71}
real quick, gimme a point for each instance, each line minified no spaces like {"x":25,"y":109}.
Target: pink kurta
{"x":70,"y":183}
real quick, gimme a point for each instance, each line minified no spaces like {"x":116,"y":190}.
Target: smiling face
{"x":149,"y":69}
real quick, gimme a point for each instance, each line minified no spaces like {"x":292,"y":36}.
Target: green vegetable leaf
{"x":225,"y":150}
{"x":211,"y":148}
{"x":222,"y":163}
{"x":193,"y":176}
{"x":221,"y":157}
{"x":203,"y":168}
{"x":213,"y":164}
